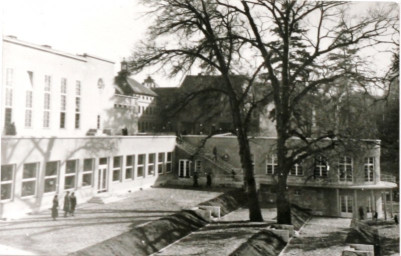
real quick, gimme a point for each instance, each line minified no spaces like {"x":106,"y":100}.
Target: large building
{"x":68,"y":126}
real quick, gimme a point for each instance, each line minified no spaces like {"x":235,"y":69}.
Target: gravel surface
{"x":320,"y":237}
{"x":93,"y":223}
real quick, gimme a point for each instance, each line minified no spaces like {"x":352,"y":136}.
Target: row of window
{"x":321,"y":168}
{"x":162,"y":162}
{"x":47,"y":101}
{"x":144,"y":126}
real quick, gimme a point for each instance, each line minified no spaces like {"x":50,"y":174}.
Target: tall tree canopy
{"x":302,"y":48}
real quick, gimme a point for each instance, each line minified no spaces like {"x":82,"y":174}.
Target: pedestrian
{"x":73,"y":202}
{"x":55,"y":207}
{"x":196,"y":179}
{"x":375,"y":216}
{"x":361,"y":213}
{"x":209,"y":179}
{"x":396,"y":219}
{"x":214,"y":153}
{"x":67,"y":204}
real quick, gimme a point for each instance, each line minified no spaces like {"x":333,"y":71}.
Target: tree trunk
{"x":283,"y":201}
{"x":255,"y":213}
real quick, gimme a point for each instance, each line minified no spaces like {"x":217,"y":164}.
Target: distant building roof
{"x":131,"y":86}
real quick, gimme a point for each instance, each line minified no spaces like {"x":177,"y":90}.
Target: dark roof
{"x":210,"y":81}
{"x":138,"y":88}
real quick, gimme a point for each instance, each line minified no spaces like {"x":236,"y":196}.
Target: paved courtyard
{"x":38,"y":234}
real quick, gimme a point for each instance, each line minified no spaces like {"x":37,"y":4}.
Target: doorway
{"x":102,"y":175}
{"x":347,"y":203}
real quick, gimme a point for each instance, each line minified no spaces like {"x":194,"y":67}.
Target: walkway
{"x":222,"y":237}
{"x":320,"y":236}
{"x":93,"y":223}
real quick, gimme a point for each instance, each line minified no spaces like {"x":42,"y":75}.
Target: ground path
{"x":320,"y":236}
{"x":39,"y":234}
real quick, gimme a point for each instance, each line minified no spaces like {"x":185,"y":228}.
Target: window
{"x":87,"y":173}
{"x":160,"y":162}
{"x":6,"y":182}
{"x":77,"y":120}
{"x":169,"y":164}
{"x":70,"y":173}
{"x":117,"y":168}
{"x":30,"y":78}
{"x":8,"y":117}
{"x":198,"y":166}
{"x":77,"y":104}
{"x":63,"y":102}
{"x":29,"y":177}
{"x":369,"y":167}
{"x":9,"y":97}
{"x":271,"y":164}
{"x":48,"y":83}
{"x":345,"y":168}
{"x":28,"y":109}
{"x":51,"y":176}
{"x":9,"y":76}
{"x":141,"y":165}
{"x":78,"y":88}
{"x":62,"y":120}
{"x":63,"y":86}
{"x":296,"y":170}
{"x":98,"y":122}
{"x":184,"y":168}
{"x":46,"y":119}
{"x":321,"y":167}
{"x":151,"y":164}
{"x":129,"y":167}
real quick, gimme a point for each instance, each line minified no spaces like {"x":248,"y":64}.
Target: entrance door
{"x":347,"y":203}
{"x":102,"y":175}
{"x":184,"y":168}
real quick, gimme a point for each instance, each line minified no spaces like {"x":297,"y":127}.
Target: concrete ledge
{"x":359,"y":250}
{"x":283,"y":234}
{"x":214,"y":210}
{"x":290,"y":228}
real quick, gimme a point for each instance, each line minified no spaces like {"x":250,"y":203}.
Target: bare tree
{"x":290,"y":41}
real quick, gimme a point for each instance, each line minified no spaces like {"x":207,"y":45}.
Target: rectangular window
{"x":117,"y":168}
{"x":29,"y":176}
{"x":28,"y":99}
{"x":369,"y":169}
{"x":151,"y":164}
{"x":48,"y":83}
{"x":321,"y":167}
{"x":296,"y":170}
{"x":63,"y":103}
{"x":9,"y":77}
{"x":169,"y":162}
{"x":46,"y":119}
{"x":62,"y":120}
{"x":51,"y":174}
{"x":78,"y":88}
{"x":98,"y":122}
{"x":198,"y":166}
{"x":129,"y":167}
{"x":8,"y":117}
{"x":9,"y":97}
{"x":77,"y":120}
{"x":271,"y":164}
{"x":6,"y":182}
{"x":70,"y":174}
{"x":63,"y":86}
{"x":141,"y":165}
{"x":28,"y":118}
{"x":47,"y":101}
{"x":87,"y":173}
{"x":28,"y":109}
{"x":77,"y":104}
{"x":345,"y":168}
{"x":160,"y":162}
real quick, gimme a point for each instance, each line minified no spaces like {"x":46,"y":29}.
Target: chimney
{"x":12,"y":37}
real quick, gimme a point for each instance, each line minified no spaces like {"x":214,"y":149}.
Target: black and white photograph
{"x":199,"y":127}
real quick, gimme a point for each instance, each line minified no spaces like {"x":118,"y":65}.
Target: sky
{"x":105,"y":28}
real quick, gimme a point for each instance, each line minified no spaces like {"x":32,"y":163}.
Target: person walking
{"x":215,"y":154}
{"x":73,"y":202}
{"x":209,"y":179}
{"x":67,"y":204}
{"x":55,"y":207}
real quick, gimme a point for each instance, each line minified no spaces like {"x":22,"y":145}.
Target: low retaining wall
{"x":299,"y":216}
{"x":264,"y":243}
{"x":155,"y":235}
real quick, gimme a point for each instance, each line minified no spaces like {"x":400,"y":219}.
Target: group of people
{"x":70,"y":202}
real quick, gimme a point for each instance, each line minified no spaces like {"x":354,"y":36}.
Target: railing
{"x":388,"y":178}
